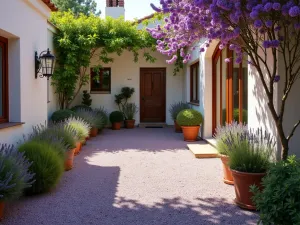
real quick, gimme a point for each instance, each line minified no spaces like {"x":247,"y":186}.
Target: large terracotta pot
{"x":190,"y":133}
{"x":178,"y":128}
{"x":94,"y":132}
{"x":228,"y":179}
{"x":129,"y":124}
{"x":69,"y":158}
{"x":78,"y":148}
{"x":116,"y":126}
{"x":242,"y":183}
{"x":1,"y":210}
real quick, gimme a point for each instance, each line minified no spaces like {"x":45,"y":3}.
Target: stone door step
{"x":152,"y":125}
{"x":203,"y":150}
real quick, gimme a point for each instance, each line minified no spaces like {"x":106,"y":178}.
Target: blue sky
{"x":133,"y":8}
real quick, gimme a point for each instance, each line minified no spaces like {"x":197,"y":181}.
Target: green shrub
{"x":14,"y":173}
{"x":251,"y":152}
{"x":189,"y":117}
{"x":61,"y":115}
{"x":92,"y":118}
{"x":86,"y":99}
{"x":129,"y":110}
{"x":103,"y":114}
{"x":279,"y":201}
{"x":116,"y":117}
{"x":47,"y":165}
{"x":81,"y":107}
{"x":176,"y":108}
{"x":236,"y":115}
{"x":223,"y":132}
{"x":81,"y":127}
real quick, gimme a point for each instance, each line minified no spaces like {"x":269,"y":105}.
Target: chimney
{"x":115,"y":8}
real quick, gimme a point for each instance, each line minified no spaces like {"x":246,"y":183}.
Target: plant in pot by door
{"x":174,"y":110}
{"x":129,"y":111}
{"x":279,"y":201}
{"x":249,"y":160}
{"x":190,"y":120}
{"x":222,"y":132}
{"x":14,"y":175}
{"x":116,"y":118}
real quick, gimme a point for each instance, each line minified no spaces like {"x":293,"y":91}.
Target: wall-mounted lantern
{"x":44,"y":64}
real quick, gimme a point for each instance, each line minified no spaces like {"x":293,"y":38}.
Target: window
{"x":101,"y":81}
{"x":3,"y":81}
{"x":194,"y":98}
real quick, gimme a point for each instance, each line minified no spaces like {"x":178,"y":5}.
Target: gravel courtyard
{"x":135,"y":177}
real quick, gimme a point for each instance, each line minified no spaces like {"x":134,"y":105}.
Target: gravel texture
{"x":135,"y":177}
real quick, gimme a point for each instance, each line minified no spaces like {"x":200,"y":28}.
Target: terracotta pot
{"x":2,"y":204}
{"x":242,"y":183}
{"x":178,"y":128}
{"x":190,"y":133}
{"x":94,"y":132}
{"x":69,"y":158}
{"x":129,"y":124}
{"x":78,"y":148}
{"x":228,"y":179}
{"x":116,"y":126}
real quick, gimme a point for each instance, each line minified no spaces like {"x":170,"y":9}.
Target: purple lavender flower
{"x":276,"y":6}
{"x":276,"y":79}
{"x":258,"y":23}
{"x":294,"y":11}
{"x":155,"y":8}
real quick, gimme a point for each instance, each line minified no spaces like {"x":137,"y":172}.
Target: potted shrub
{"x":249,"y":160}
{"x":174,"y":110}
{"x":82,"y":129}
{"x":14,"y":175}
{"x":222,"y":132}
{"x":116,"y":118}
{"x":80,"y":107}
{"x":190,"y":120}
{"x":48,"y":165}
{"x":279,"y":201}
{"x":129,"y":111}
{"x":61,"y":115}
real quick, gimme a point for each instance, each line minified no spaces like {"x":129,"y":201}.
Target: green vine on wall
{"x":79,"y":39}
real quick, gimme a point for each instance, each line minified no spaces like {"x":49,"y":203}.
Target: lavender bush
{"x":229,"y":130}
{"x":263,"y":30}
{"x":14,"y":173}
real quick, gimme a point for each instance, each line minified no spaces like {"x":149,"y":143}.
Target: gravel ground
{"x":135,"y":177}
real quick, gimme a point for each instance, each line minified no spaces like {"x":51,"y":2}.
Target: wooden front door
{"x":153,"y":94}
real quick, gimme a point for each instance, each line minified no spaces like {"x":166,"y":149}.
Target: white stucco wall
{"x":26,"y":31}
{"x":125,"y":72}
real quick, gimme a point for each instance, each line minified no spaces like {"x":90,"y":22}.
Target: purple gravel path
{"x":135,"y":177}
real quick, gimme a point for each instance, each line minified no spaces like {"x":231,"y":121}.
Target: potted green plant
{"x":249,"y":160}
{"x":61,"y":115}
{"x":86,"y":99}
{"x":190,"y":120}
{"x":129,"y":111}
{"x":279,"y":200}
{"x":116,"y":118}
{"x":174,"y":110}
{"x":15,"y":175}
{"x":222,"y":132}
{"x":103,"y":115}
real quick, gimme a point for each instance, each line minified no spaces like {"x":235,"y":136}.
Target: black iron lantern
{"x":44,"y":64}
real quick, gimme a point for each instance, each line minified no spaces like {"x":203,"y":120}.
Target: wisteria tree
{"x":260,"y":29}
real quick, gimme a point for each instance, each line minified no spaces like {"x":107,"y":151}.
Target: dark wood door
{"x":153,"y":94}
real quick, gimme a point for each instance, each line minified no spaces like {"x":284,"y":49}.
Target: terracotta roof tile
{"x":50,"y":5}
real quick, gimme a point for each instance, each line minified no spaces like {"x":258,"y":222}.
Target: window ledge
{"x":194,"y":103}
{"x":100,"y":92}
{"x":10,"y":124}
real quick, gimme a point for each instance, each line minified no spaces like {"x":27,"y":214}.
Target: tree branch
{"x":293,"y":130}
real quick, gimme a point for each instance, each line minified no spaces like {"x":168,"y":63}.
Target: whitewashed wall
{"x":125,"y":72}
{"x":24,"y":23}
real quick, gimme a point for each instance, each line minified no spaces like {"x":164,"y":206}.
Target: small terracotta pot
{"x":2,"y":204}
{"x":94,"y":132}
{"x":116,"y":126}
{"x":190,"y":133}
{"x":78,"y":148}
{"x":178,"y":128}
{"x":228,"y":179}
{"x":242,"y":183}
{"x":69,"y":158}
{"x":129,"y":124}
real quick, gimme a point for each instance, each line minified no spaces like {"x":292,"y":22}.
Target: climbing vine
{"x":79,"y":39}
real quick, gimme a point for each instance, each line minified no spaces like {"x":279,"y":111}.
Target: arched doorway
{"x":230,"y":89}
